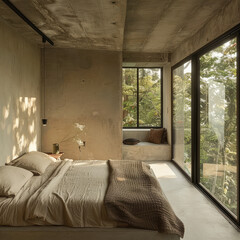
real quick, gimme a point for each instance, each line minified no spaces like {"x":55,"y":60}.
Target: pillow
{"x":156,"y":135}
{"x":12,"y":180}
{"x":131,"y":141}
{"x":36,"y":162}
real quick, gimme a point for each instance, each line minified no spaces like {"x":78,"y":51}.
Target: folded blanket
{"x":134,"y":196}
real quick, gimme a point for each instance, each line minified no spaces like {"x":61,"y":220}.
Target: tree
{"x":182,"y":116}
{"x":149,"y":97}
{"x":218,"y":120}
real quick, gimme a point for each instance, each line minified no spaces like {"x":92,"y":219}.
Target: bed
{"x":69,"y":200}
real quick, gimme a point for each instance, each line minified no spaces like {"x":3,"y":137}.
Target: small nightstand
{"x":55,"y":155}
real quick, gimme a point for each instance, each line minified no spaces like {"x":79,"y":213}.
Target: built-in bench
{"x":144,"y":150}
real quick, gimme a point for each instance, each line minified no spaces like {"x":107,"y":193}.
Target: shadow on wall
{"x":18,"y":128}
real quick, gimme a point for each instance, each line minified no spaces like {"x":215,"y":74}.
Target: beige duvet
{"x":69,"y":193}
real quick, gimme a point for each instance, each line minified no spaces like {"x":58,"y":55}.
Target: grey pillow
{"x":36,"y":162}
{"x":131,"y":141}
{"x":12,"y":179}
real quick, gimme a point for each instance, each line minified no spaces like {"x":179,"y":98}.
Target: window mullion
{"x":238,"y":129}
{"x":137,"y":97}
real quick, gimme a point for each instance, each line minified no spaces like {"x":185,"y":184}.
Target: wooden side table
{"x":55,"y":155}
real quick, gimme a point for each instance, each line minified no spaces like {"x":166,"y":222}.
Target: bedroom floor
{"x":201,"y":218}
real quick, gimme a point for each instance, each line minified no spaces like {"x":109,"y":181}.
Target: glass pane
{"x":218,"y":132}
{"x":149,"y":97}
{"x":129,"y":97}
{"x":182,"y":141}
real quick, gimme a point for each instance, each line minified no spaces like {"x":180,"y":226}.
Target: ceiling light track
{"x":21,"y":15}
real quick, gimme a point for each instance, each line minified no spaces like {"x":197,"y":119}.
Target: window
{"x":142,"y":97}
{"x":206,"y":121}
{"x":182,"y":116}
{"x":218,"y":123}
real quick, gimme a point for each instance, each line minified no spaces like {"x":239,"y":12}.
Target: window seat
{"x":146,"y":151}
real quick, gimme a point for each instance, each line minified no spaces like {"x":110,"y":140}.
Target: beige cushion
{"x":36,"y":162}
{"x":12,"y":180}
{"x":156,"y":135}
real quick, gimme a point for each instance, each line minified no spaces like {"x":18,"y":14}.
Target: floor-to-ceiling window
{"x":181,"y":86}
{"x":205,"y":111}
{"x":218,"y":123}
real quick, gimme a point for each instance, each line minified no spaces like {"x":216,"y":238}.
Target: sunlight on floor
{"x":162,"y":170}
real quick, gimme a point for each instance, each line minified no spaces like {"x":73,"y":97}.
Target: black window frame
{"x":161,"y":100}
{"x":195,"y":176}
{"x":179,"y":64}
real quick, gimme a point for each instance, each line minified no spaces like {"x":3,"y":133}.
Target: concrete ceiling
{"x":132,"y":26}
{"x":85,"y":24}
{"x":160,"y":26}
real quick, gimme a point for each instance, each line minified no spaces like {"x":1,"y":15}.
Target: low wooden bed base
{"x":67,"y":233}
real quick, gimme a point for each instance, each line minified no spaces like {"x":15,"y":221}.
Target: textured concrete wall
{"x":227,"y":18}
{"x":83,"y":87}
{"x":19,"y":95}
{"x":167,"y":100}
{"x":145,"y":151}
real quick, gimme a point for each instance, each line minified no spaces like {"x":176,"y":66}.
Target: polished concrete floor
{"x":201,"y":218}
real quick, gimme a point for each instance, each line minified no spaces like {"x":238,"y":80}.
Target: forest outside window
{"x":142,"y":97}
{"x":218,"y":123}
{"x":205,"y":114}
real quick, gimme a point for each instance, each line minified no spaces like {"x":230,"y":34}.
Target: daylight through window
{"x":142,"y":97}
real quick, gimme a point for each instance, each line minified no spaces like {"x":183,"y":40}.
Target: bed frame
{"x":67,"y":233}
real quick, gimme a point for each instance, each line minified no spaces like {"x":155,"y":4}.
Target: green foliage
{"x":218,"y":122}
{"x":182,"y":116}
{"x":218,"y":146}
{"x":149,"y":97}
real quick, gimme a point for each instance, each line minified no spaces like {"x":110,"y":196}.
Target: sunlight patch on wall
{"x":28,"y":104}
{"x":31,"y":127}
{"x":16,"y":123}
{"x":6,"y":111}
{"x":33,"y":145}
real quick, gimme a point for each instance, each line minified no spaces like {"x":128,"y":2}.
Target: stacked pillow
{"x":16,"y":174}
{"x":36,"y":162}
{"x":12,"y":179}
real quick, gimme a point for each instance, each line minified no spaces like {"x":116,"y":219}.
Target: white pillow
{"x":12,"y":180}
{"x":36,"y":162}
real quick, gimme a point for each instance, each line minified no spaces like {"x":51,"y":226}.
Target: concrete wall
{"x":167,"y":100}
{"x":226,"y":19}
{"x":19,"y":95}
{"x":83,"y":87}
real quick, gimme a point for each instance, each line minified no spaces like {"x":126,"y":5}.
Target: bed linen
{"x":134,"y":196}
{"x":53,"y":198}
{"x":68,"y":193}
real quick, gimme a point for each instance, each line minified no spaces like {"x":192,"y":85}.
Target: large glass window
{"x":218,"y":123}
{"x":182,"y":116}
{"x":142,"y":97}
